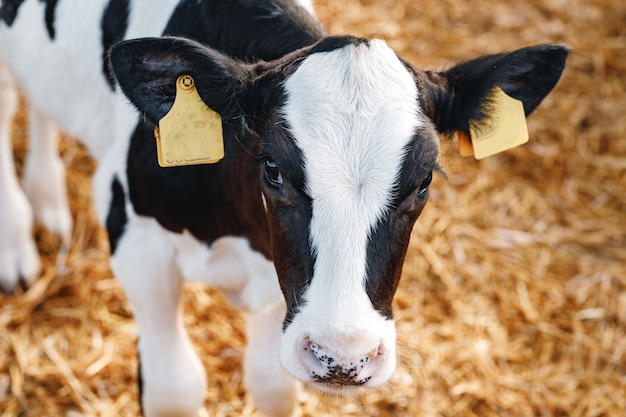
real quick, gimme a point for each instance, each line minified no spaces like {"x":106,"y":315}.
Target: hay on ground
{"x":513,"y":298}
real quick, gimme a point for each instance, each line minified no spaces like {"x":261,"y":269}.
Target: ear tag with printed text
{"x":190,"y":133}
{"x":504,"y":128}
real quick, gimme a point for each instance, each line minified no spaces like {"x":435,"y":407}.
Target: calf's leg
{"x":44,"y":177}
{"x":174,"y":381}
{"x":273,"y":391}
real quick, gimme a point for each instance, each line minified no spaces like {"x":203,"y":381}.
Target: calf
{"x":330,"y":144}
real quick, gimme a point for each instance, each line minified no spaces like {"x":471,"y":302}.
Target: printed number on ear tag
{"x":503,"y":128}
{"x":190,"y":133}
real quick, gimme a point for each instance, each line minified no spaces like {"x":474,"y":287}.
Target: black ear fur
{"x":147,"y":69}
{"x":527,"y":74}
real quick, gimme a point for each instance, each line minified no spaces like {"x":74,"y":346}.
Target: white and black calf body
{"x":330,"y":145}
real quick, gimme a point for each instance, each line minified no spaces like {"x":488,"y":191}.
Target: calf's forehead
{"x":361,"y":82}
{"x":352,"y":111}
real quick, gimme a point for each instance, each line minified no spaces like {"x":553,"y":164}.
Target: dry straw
{"x":513,"y":299}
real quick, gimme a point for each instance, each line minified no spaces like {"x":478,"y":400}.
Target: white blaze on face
{"x":352,"y":111}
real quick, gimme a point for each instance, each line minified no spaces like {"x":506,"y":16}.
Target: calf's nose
{"x":328,"y":366}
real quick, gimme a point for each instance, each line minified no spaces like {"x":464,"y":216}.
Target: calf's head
{"x":347,"y":146}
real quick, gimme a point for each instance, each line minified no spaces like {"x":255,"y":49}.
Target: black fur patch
{"x":330,"y":43}
{"x":389,"y":239}
{"x":114,"y":24}
{"x":289,"y":216}
{"x":8,"y":10}
{"x":116,"y":219}
{"x":210,"y":201}
{"x":246,"y":30}
{"x":51,"y":6}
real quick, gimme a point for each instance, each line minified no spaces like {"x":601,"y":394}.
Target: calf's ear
{"x":147,"y":70}
{"x":460,"y":95}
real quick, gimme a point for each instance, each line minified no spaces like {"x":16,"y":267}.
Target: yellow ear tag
{"x":190,"y":133}
{"x":503,"y":129}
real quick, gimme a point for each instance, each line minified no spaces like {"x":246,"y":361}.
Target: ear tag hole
{"x":190,"y":133}
{"x":503,"y":128}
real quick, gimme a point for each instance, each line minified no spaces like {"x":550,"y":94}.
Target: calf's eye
{"x":425,"y":183}
{"x":272,"y":173}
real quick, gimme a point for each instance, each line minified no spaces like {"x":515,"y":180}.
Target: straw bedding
{"x":513,"y":298}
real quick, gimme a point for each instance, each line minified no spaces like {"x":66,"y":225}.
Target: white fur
{"x":44,"y":177}
{"x":79,"y":105}
{"x":351,"y":111}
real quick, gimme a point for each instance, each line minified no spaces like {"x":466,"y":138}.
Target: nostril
{"x":309,"y":357}
{"x":369,"y":364}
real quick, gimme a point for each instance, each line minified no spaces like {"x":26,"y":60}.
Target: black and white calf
{"x":330,"y":146}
